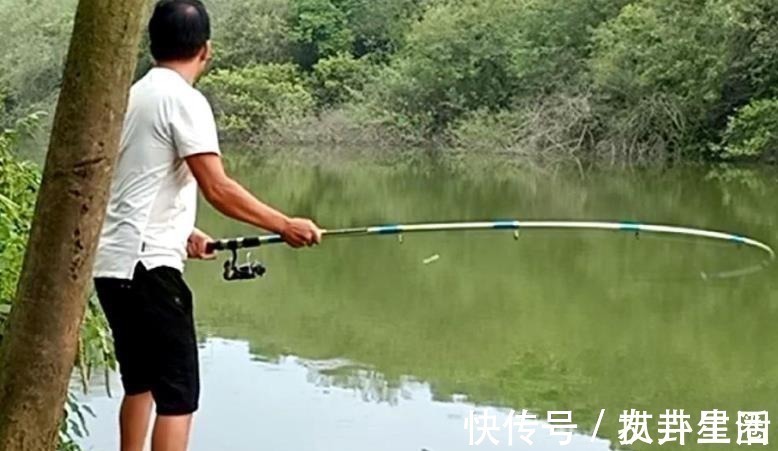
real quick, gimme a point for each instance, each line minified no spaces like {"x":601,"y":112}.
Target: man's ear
{"x":207,"y":53}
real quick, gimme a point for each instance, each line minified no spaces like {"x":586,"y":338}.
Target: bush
{"x":753,"y":131}
{"x":754,"y":69}
{"x":669,"y":59}
{"x":457,"y":59}
{"x":547,"y":132}
{"x":18,"y":187}
{"x":319,"y":29}
{"x":646,"y":132}
{"x":32,"y":52}
{"x":663,"y":46}
{"x":379,"y":28}
{"x":251,"y":101}
{"x":469,"y":56}
{"x":249,"y":32}
{"x":337,"y":79}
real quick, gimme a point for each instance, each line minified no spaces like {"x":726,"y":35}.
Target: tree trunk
{"x":39,"y":348}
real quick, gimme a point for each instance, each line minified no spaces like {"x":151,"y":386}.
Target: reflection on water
{"x":293,"y":404}
{"x":553,"y":321}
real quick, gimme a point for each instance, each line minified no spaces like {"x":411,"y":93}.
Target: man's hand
{"x":300,"y":232}
{"x":197,"y":246}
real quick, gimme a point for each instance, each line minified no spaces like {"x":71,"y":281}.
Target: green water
{"x":577,"y":321}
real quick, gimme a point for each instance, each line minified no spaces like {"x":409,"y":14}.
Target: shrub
{"x":32,"y":52}
{"x":379,"y":28}
{"x":337,"y":79}
{"x":754,"y":69}
{"x":666,"y":58}
{"x":251,"y":32}
{"x":662,"y":46}
{"x":468,"y":56}
{"x":324,"y":28}
{"x":546,"y":132}
{"x":253,"y":100}
{"x":18,"y":186}
{"x":458,"y":58}
{"x":319,"y":29}
{"x":753,"y":131}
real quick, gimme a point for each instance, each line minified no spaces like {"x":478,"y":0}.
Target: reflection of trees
{"x":536,"y":381}
{"x":743,"y":191}
{"x":530,"y":380}
{"x":578,"y":321}
{"x":372,"y":385}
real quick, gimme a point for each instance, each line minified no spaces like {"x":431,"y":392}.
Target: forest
{"x":615,"y":82}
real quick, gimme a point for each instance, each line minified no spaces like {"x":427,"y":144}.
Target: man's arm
{"x":231,"y":199}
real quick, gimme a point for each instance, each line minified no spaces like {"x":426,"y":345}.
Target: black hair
{"x":178,"y":29}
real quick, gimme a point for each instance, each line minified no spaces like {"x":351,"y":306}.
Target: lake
{"x":359,"y":345}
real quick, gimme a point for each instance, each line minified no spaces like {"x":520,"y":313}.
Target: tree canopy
{"x":646,"y":79}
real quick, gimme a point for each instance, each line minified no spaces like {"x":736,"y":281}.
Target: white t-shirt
{"x":151,"y":211}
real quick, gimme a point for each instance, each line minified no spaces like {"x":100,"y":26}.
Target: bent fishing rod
{"x":252,"y":270}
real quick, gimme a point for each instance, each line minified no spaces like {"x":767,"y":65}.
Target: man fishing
{"x":169,"y":148}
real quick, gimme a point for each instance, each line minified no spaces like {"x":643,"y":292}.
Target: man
{"x":169,"y":147}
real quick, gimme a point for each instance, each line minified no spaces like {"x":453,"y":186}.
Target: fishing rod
{"x":252,"y":270}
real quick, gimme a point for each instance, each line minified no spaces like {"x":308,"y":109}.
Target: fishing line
{"x":252,"y":270}
{"x":668,"y":244}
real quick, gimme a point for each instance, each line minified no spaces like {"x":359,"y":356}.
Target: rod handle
{"x":233,"y":244}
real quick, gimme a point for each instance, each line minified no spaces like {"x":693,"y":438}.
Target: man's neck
{"x":186,"y":69}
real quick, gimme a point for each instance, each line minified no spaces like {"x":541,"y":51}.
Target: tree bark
{"x":39,"y":348}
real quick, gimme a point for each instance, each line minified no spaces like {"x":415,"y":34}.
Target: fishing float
{"x":233,"y":271}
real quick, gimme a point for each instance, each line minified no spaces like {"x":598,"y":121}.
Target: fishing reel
{"x":245,"y":271}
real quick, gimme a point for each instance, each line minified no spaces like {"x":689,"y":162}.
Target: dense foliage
{"x":620,"y":81}
{"x":753,"y":132}
{"x":18,"y":187}
{"x":252,"y":99}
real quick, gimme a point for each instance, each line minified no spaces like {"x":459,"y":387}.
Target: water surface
{"x":579,"y":321}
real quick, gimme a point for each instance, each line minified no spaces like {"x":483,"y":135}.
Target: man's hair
{"x":178,"y":29}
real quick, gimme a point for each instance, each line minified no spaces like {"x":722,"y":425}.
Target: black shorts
{"x":154,"y":336}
